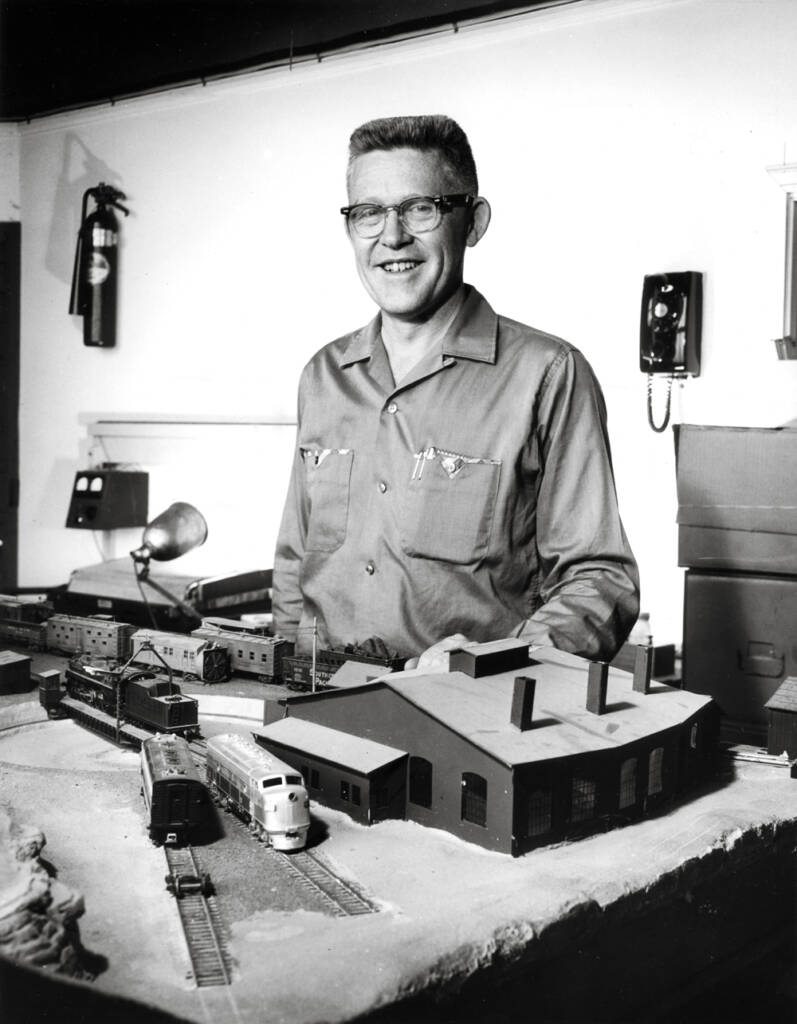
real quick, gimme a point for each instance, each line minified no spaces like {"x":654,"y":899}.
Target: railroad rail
{"x":343,"y":898}
{"x":211,"y":962}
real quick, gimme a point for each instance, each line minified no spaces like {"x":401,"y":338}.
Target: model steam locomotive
{"x":134,"y":695}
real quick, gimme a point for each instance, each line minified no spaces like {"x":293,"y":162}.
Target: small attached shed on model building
{"x":507,"y":761}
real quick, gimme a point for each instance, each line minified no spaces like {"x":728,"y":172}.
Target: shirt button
{"x":382,"y":486}
{"x":370,"y":568}
{"x":392,"y":408}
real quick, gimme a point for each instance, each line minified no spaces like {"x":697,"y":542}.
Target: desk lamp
{"x":179,"y":529}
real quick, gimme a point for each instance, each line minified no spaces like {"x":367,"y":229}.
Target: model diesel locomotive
{"x":249,"y":653}
{"x":175,"y":796}
{"x":265,"y":792}
{"x":136,"y":696}
{"x":189,"y":655}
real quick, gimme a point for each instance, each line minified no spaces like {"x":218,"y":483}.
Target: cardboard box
{"x":740,"y":643}
{"x":737,"y":498}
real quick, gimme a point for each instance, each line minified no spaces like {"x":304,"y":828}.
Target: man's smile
{"x":399,"y":266}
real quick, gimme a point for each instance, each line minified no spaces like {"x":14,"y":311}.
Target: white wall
{"x":614,"y":139}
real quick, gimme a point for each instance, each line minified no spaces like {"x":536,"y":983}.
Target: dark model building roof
{"x":479,"y":710}
{"x":785,"y":697}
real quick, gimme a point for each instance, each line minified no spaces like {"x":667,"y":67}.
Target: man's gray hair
{"x":426,"y":132}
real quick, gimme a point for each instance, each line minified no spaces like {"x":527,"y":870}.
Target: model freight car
{"x":194,"y":656}
{"x":88,"y":634}
{"x":24,"y":634}
{"x":250,"y":653}
{"x":24,"y":611}
{"x":136,"y":696}
{"x":298,"y":668}
{"x":175,"y":796}
{"x":265,"y":792}
{"x":234,"y":625}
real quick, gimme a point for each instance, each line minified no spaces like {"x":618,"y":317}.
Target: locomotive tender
{"x":138,"y":696}
{"x":175,"y":797}
{"x":265,"y":792}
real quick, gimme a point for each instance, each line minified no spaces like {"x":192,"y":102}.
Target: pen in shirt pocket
{"x":451,"y":462}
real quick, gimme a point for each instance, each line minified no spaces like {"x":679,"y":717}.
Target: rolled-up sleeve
{"x":589,"y":590}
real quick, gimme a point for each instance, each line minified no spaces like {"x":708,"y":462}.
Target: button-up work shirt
{"x":476,"y":496}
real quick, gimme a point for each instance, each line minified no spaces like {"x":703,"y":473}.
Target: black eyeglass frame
{"x":444,"y":204}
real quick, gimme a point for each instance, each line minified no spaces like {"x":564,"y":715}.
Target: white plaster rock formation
{"x":38,"y":914}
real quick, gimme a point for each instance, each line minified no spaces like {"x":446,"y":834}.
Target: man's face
{"x":408,"y":276}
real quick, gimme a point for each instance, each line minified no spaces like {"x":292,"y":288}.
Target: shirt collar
{"x":472,"y":335}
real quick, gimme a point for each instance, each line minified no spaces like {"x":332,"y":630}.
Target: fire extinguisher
{"x":94,"y":279}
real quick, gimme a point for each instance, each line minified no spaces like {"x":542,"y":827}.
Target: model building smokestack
{"x":523,"y":702}
{"x":643,"y":663}
{"x":597,"y":685}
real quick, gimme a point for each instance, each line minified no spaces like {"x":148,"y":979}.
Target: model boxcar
{"x":250,"y":653}
{"x":190,"y":655}
{"x":298,"y":668}
{"x":175,"y":797}
{"x":26,"y":634}
{"x":265,"y":792}
{"x":89,"y":634}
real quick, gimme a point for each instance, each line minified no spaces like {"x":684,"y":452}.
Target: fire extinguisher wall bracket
{"x":95,"y":275}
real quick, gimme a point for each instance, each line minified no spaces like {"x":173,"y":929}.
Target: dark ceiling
{"x":60,"y":54}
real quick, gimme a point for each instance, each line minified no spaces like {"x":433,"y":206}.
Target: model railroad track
{"x":343,"y":898}
{"x":104,"y":724}
{"x":204,"y":932}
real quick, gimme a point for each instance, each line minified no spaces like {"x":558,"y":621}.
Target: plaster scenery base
{"x":38,"y":914}
{"x":454,"y":918}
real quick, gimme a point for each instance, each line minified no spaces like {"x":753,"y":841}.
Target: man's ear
{"x":479,"y":220}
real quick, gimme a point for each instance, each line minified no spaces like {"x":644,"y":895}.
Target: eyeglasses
{"x":418,"y":214}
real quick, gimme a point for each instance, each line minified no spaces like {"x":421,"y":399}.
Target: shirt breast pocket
{"x":449,"y":507}
{"x":328,"y":476}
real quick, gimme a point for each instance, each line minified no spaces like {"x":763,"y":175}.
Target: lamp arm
{"x":142,"y":575}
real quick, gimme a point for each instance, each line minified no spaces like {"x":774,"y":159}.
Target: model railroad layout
{"x":205,"y":934}
{"x":318,"y":877}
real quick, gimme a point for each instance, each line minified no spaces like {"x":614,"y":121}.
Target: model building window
{"x":693,"y":736}
{"x":420,"y":781}
{"x":582,"y":799}
{"x":344,"y":789}
{"x":474,"y":798}
{"x":628,"y":783}
{"x":655,"y":763}
{"x":540,"y":812}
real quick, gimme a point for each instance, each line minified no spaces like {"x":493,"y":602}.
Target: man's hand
{"x":435,"y":658}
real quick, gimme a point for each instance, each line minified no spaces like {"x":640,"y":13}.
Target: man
{"x":453,"y":478}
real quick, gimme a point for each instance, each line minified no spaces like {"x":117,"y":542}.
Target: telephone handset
{"x":669,"y":330}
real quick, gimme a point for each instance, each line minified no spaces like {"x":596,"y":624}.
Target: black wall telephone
{"x":669,"y":330}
